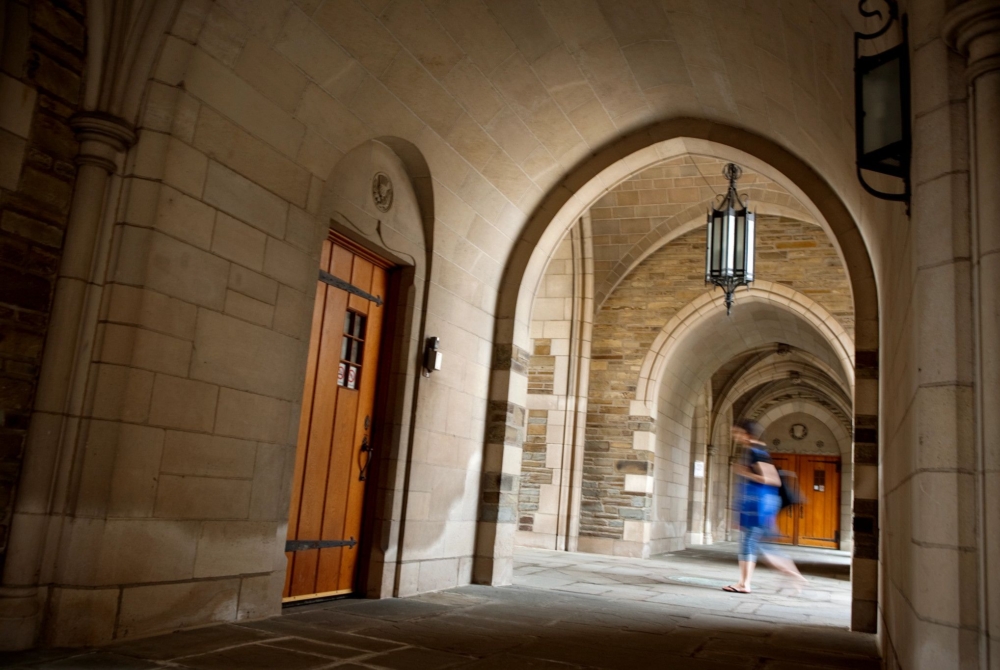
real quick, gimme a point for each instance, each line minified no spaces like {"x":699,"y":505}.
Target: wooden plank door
{"x":333,"y":451}
{"x":788,"y":517}
{"x":819,"y":517}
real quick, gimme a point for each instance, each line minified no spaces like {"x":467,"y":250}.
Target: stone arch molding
{"x":577,"y":193}
{"x":773,"y":368}
{"x":818,"y":412}
{"x":708,"y":303}
{"x":548,"y":224}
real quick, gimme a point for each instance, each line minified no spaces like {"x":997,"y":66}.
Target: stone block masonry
{"x":40,"y":89}
{"x":790,"y":252}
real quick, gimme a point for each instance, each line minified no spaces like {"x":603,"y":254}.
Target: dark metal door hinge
{"x":305,"y":545}
{"x":328,"y":278}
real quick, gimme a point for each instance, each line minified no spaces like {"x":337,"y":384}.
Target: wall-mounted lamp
{"x":432,"y":357}
{"x":882,"y":106}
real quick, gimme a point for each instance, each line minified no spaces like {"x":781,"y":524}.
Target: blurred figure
{"x":758,"y":504}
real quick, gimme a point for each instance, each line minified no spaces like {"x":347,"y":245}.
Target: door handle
{"x":368,"y":450}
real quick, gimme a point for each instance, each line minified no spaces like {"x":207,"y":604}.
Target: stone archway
{"x":549,"y":223}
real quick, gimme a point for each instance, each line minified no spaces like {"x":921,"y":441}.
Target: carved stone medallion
{"x":798,"y":431}
{"x":382,"y":191}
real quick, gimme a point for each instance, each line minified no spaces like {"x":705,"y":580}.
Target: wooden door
{"x":333,"y":451}
{"x":787,"y":517}
{"x":815,"y":523}
{"x":819,"y":517}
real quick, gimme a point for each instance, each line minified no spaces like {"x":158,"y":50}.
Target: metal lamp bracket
{"x":892,"y":159}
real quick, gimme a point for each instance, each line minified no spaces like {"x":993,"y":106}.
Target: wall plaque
{"x":382,"y":191}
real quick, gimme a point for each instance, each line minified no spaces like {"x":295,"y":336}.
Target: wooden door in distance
{"x":786,"y":517}
{"x":325,"y":517}
{"x":819,"y":517}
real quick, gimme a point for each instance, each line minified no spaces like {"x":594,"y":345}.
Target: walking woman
{"x":759,"y":505}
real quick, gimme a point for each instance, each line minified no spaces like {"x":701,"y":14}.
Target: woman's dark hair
{"x":753,"y":429}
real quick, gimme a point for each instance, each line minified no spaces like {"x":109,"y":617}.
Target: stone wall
{"x":40,"y":89}
{"x":548,"y":505}
{"x":789,"y":252}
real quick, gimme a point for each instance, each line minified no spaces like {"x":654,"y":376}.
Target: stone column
{"x":710,"y":454}
{"x":44,"y":484}
{"x":973,"y":29}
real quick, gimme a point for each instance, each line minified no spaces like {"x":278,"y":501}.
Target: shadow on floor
{"x":484,"y":628}
{"x":810,"y":561}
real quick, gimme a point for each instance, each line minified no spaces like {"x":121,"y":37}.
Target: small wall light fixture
{"x":432,"y":357}
{"x":882,"y":105}
{"x":729,"y":253}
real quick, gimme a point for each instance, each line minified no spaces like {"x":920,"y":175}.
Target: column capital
{"x":973,"y":29}
{"x":101,"y":136}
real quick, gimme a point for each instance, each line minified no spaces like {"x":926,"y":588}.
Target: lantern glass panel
{"x":751,"y":220}
{"x":727,"y":269}
{"x":718,"y":244}
{"x":708,"y":250}
{"x":882,"y":100}
{"x":739,"y":257}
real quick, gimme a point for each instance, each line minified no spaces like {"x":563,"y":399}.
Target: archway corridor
{"x":633,"y":387}
{"x":403,"y":302}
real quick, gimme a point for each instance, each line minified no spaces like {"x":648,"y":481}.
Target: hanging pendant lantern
{"x":729,"y":253}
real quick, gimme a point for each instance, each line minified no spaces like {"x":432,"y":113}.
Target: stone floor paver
{"x":565,"y":610}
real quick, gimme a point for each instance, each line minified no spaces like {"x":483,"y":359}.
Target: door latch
{"x":368,"y":451}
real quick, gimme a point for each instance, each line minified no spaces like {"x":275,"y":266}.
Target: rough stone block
{"x":81,"y":617}
{"x":245,"y":200}
{"x":122,"y":393}
{"x":188,"y":273}
{"x":240,"y":355}
{"x":290,"y":266}
{"x":252,"y":284}
{"x":234,"y":548}
{"x":146,"y":610}
{"x":252,"y":416}
{"x":183,"y":403}
{"x":226,"y":143}
{"x":238,"y":242}
{"x":202,"y":498}
{"x":185,"y":168}
{"x":271,"y":74}
{"x":152,"y":310}
{"x":213,"y":83}
{"x":136,"y":471}
{"x":248,"y":309}
{"x":17,"y":104}
{"x":12,"y":151}
{"x":184,"y":217}
{"x":204,"y":455}
{"x":260,"y":596}
{"x":148,"y":550}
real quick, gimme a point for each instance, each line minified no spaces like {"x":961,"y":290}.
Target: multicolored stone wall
{"x":41,"y":77}
{"x":789,"y":252}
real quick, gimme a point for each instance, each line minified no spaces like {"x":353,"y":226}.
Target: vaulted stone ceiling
{"x":659,"y":203}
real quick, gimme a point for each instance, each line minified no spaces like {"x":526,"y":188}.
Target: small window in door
{"x":819,"y":480}
{"x":352,"y":349}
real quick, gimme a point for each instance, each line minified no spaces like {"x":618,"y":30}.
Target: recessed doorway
{"x":335,"y":448}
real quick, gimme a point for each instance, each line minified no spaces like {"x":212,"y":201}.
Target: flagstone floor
{"x":564,"y":611}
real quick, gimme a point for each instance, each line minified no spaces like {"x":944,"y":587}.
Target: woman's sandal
{"x":732,"y":588}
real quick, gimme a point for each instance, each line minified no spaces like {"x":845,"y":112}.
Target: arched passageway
{"x":166,"y":174}
{"x":653,"y":431}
